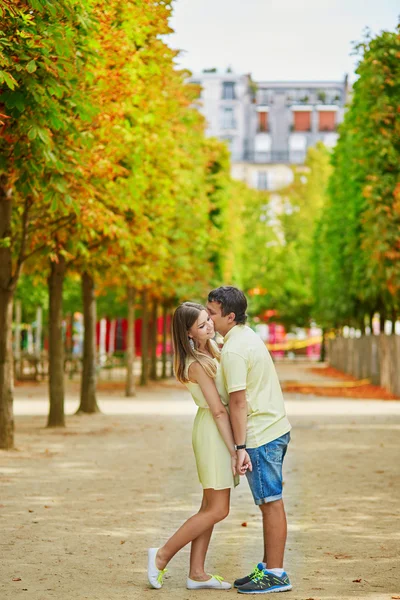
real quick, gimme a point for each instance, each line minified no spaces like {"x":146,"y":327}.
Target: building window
{"x":264,"y":96}
{"x":326,"y":120}
{"x":262,"y":180}
{"x":303,"y":96}
{"x":290,"y":96}
{"x":302,"y":120}
{"x":228,"y":118}
{"x":228,"y":90}
{"x":262,"y":121}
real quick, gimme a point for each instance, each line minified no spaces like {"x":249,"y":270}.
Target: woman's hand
{"x":233,"y":463}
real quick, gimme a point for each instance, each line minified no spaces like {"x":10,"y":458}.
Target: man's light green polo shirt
{"x":247,"y":365}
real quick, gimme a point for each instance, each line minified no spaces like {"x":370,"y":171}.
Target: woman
{"x":196,"y":364}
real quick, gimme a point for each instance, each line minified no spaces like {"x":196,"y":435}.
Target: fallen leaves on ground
{"x":362,"y":392}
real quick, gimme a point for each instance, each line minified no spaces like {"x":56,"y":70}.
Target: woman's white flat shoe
{"x":154,"y":575}
{"x":214,"y":583}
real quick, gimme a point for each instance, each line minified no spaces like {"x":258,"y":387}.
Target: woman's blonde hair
{"x":184,"y":318}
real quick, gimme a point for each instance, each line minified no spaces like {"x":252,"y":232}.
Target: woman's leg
{"x":199,"y":549}
{"x":216,"y":510}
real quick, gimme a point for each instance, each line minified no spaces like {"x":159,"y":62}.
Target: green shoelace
{"x":257,"y":574}
{"x":218,"y":578}
{"x":161,"y":575}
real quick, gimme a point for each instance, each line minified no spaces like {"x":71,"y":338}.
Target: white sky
{"x":277,"y":39}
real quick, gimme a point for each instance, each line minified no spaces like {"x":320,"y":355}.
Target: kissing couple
{"x":241,"y":428}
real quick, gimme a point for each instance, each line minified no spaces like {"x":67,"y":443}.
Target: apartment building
{"x":227,"y":102}
{"x":269,"y":125}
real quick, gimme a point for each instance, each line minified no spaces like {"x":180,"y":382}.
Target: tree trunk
{"x":382,"y":319}
{"x":371,"y":318}
{"x":322,"y":355}
{"x":130,"y":349}
{"x":56,"y":344}
{"x":38,"y":341}
{"x":17,"y":339}
{"x":153,"y":341}
{"x":6,"y":371}
{"x":171,"y":357}
{"x":164,"y":341}
{"x":394,"y":319}
{"x":111,"y":341}
{"x":88,"y":402}
{"x":7,"y":287}
{"x":145,"y":340}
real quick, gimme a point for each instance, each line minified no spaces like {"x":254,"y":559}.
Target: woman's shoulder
{"x":190,"y":363}
{"x":196,"y":370}
{"x":193,"y":364}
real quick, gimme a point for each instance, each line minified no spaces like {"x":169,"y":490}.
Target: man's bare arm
{"x":238,"y":413}
{"x":238,"y":416}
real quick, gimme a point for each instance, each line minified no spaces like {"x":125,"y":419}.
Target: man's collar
{"x":234,"y":331}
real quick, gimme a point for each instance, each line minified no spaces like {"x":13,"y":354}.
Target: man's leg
{"x":275,"y":532}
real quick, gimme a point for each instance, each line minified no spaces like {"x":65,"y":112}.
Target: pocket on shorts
{"x":276,"y":449}
{"x":275,"y":454}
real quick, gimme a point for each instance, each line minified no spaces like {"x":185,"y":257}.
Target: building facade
{"x":269,"y":125}
{"x":226,"y":101}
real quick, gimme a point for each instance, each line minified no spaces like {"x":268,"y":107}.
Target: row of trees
{"x":106,"y":176}
{"x":105,"y":173}
{"x":356,"y":258}
{"x":328,"y":246}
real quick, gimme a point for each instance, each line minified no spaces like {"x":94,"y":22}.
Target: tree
{"x":357,"y":247}
{"x":40,"y":52}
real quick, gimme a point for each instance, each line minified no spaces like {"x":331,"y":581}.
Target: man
{"x":260,"y":427}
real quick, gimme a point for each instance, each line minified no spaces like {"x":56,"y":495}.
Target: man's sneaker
{"x":256,"y":572}
{"x":266,"y":583}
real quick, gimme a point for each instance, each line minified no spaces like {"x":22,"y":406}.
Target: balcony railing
{"x":284,"y":156}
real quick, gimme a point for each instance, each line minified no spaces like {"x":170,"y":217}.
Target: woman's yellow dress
{"x":213,"y":459}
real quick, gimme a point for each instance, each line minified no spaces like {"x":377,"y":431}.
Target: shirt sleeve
{"x":234,"y":368}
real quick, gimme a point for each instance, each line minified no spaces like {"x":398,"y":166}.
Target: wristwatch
{"x":240,"y":447}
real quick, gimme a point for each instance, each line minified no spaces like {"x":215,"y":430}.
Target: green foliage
{"x":105,"y":153}
{"x":357,"y":247}
{"x":279,"y":239}
{"x":42,"y":62}
{"x":32,"y":292}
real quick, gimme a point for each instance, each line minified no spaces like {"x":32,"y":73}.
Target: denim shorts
{"x":265,"y":480}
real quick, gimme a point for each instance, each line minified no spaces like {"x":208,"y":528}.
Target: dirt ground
{"x":80,"y":506}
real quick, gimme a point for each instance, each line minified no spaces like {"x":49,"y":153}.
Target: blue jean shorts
{"x":265,"y":480}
